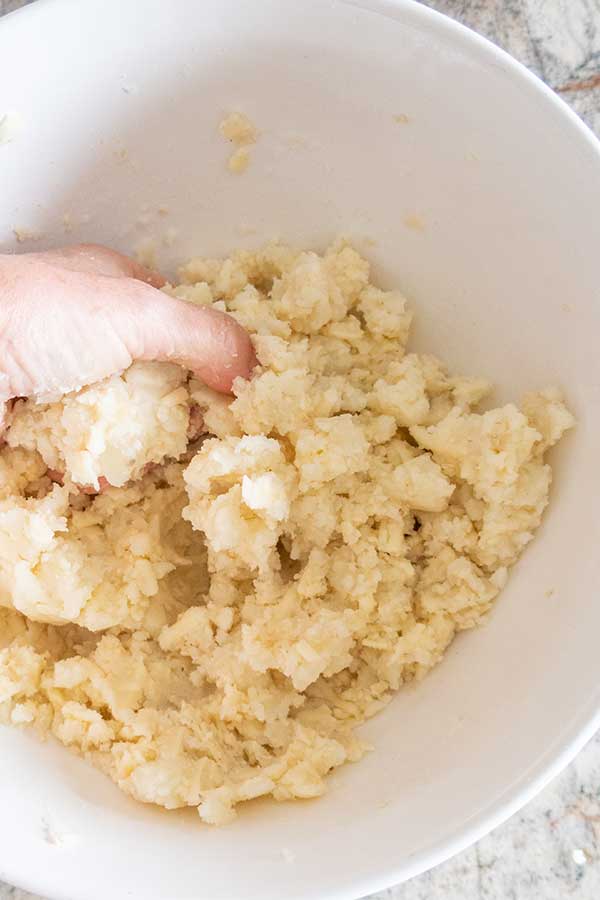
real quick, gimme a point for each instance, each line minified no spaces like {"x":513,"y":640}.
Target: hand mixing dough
{"x":215,"y":622}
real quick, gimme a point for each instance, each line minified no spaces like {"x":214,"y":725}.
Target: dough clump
{"x":208,"y":619}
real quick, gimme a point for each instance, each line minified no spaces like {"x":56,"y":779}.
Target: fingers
{"x":211,"y":344}
{"x":94,"y":259}
{"x":72,"y":317}
{"x":56,"y":333}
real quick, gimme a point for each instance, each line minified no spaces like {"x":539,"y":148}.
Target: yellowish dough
{"x":237,"y":128}
{"x":215,"y":622}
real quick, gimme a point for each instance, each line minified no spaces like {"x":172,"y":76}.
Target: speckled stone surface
{"x":551,"y":850}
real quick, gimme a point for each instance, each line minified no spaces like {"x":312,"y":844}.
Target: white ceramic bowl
{"x":484,"y":208}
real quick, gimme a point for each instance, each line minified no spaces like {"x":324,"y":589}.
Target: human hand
{"x":74,"y":316}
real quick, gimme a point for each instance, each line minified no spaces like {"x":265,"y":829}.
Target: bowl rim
{"x":581,"y":729}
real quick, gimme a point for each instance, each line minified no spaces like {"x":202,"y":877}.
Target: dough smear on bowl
{"x":208,"y":620}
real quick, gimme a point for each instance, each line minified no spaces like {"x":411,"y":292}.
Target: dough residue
{"x":238,"y":128}
{"x":206,"y":595}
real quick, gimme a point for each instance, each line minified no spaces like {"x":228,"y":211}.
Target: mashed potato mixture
{"x":205,"y":595}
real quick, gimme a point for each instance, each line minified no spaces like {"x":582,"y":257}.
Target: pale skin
{"x":76,"y":315}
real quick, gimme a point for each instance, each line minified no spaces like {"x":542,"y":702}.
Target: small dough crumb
{"x":238,"y":128}
{"x":26,"y":234}
{"x":414,"y":222}
{"x":238,"y":161}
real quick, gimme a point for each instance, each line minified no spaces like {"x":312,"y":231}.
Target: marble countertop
{"x":551,"y":849}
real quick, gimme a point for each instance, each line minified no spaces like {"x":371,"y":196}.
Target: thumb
{"x":154,"y":326}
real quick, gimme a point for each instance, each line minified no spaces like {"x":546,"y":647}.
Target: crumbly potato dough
{"x":113,"y":429}
{"x":213,"y":628}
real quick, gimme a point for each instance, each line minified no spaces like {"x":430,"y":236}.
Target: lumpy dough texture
{"x":113,"y":429}
{"x":213,"y":625}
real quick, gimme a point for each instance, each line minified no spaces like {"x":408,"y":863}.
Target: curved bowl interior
{"x":482,"y":206}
